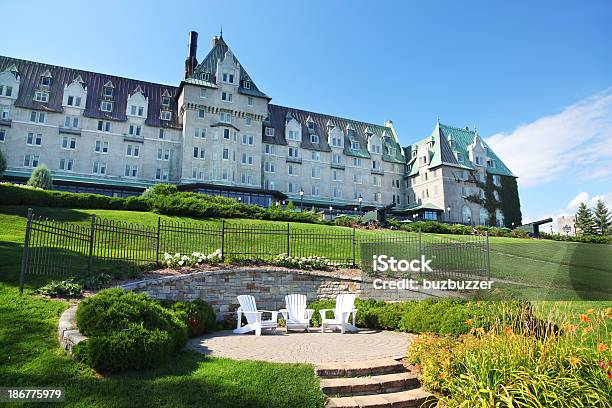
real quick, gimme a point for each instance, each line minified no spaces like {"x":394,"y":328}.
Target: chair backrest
{"x":247,"y":303}
{"x":296,"y":306}
{"x":344,"y":303}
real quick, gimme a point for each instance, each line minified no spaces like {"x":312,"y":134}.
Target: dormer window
{"x":106,"y":106}
{"x":270,"y":132}
{"x":165,"y":101}
{"x":311,"y":125}
{"x":391,"y":151}
{"x":166,"y":115}
{"x":45,"y":81}
{"x":351,"y":133}
{"x":108,"y":92}
{"x":247,"y":84}
{"x":355,"y":145}
{"x":205,"y":76}
{"x":74,"y":100}
{"x":314,"y":138}
{"x":40,"y":96}
{"x":228,"y":77}
{"x":459,"y":157}
{"x":491,"y":163}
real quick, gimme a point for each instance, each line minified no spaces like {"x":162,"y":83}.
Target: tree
{"x":290,"y":206}
{"x":41,"y":178}
{"x":602,"y":219}
{"x":2,"y":164}
{"x":584,"y":219}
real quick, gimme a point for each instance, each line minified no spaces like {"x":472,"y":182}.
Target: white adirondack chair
{"x":296,"y":315}
{"x":254,"y":317}
{"x":345,"y":307}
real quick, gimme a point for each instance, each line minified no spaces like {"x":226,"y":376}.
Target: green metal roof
{"x":90,"y":180}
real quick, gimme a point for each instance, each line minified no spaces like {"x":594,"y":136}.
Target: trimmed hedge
{"x":445,"y":317}
{"x":163,"y":200}
{"x":435,"y":227}
{"x":587,"y":239}
{"x":127,"y":331}
{"x":198,"y":315}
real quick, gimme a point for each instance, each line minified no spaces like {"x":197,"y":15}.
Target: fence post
{"x":26,"y":252}
{"x":91,"y":244}
{"x":487,"y":255}
{"x":420,"y":249}
{"x":158,"y":237}
{"x":222,"y":240}
{"x":288,"y":247}
{"x":354,"y":255}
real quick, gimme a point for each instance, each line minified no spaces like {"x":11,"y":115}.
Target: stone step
{"x":359,"y":368}
{"x":385,"y":383}
{"x":415,"y":398}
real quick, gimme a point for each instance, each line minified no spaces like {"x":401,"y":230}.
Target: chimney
{"x":191,"y":62}
{"x":214,"y":41}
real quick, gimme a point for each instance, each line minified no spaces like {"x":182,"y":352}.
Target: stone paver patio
{"x":302,"y":347}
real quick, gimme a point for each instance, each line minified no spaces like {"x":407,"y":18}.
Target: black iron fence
{"x":60,"y":248}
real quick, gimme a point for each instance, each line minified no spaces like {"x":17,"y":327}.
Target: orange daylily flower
{"x":587,"y":330}
{"x":571,"y":328}
{"x":573,"y":361}
{"x":602,"y":347}
{"x":590,"y":311}
{"x":508,"y":330}
{"x":480,"y":331}
{"x":585,"y":318}
{"x":469,"y":322}
{"x":442,"y":375}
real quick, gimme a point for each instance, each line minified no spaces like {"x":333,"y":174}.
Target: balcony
{"x":378,"y":171}
{"x":338,"y":166}
{"x":69,"y":130}
{"x":6,"y":122}
{"x":291,"y":159}
{"x":133,"y":138}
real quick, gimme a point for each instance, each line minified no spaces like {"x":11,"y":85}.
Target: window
{"x":376,"y":148}
{"x":165,"y":115}
{"x":162,"y":133}
{"x":499,"y":218}
{"x":250,"y":101}
{"x":270,"y":132}
{"x":66,"y":164}
{"x":337,"y":192}
{"x":133,"y":150}
{"x":201,"y":113}
{"x":5,"y":112}
{"x":225,"y":117}
{"x":2,"y":135}
{"x":247,"y":85}
{"x":45,"y":81}
{"x":316,"y":156}
{"x":336,"y":175}
{"x":314,"y":190}
{"x":337,"y":141}
{"x":291,"y":188}
{"x":225,"y":154}
{"x":311,"y":125}
{"x":99,"y":168}
{"x":30,"y":160}
{"x":101,"y":146}
{"x":459,"y":157}
{"x":336,"y":158}
{"x":34,"y":139}
{"x":136,"y":110}
{"x":104,"y":126}
{"x":106,"y":106}
{"x":37,"y":117}
{"x":248,"y":120}
{"x":226,"y":96}
{"x":357,"y":178}
{"x":199,"y":152}
{"x":356,"y":161}
{"x":203,"y":94}
{"x":496,"y":180}
{"x":376,"y":181}
{"x":377,"y":197}
{"x":315,"y":172}
{"x":293,"y":135}
{"x":131,"y":170}
{"x":73,"y":100}
{"x":165,"y":101}
{"x":423,"y":160}
{"x":376,"y":165}
{"x":134,"y":130}
{"x":314,"y":138}
{"x":496,"y":195}
{"x":200,"y":133}
{"x":248,"y":140}
{"x":247,"y":159}
{"x":269,"y":167}
{"x":161,"y":174}
{"x":226,"y":134}
{"x":293,"y":170}
{"x":205,"y":76}
{"x":270,"y":149}
{"x":355,"y":145}
{"x":491,"y":163}
{"x":294,"y":152}
{"x":483,"y":217}
{"x":41,"y":96}
{"x":68,"y":142}
{"x":228,"y":77}
{"x":71,"y":122}
{"x":478,"y":160}
{"x":466,"y":215}
{"x":108,"y":91}
{"x":6,"y":91}
{"x":246,"y":178}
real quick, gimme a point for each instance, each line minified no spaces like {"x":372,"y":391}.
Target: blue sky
{"x":534,"y":77}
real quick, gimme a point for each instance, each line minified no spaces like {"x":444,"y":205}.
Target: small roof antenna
{"x":221,"y":31}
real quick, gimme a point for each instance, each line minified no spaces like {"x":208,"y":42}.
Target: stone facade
{"x":220,"y":288}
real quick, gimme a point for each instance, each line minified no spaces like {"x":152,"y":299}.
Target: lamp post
{"x":360,"y":199}
{"x":301,"y":199}
{"x":283,"y":203}
{"x":448,"y":209}
{"x":470,"y":220}
{"x":330,"y":211}
{"x":239,"y":199}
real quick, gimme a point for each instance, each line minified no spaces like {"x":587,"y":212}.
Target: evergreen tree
{"x":2,"y":164}
{"x":602,"y":219}
{"x":584,"y":219}
{"x":41,"y":178}
{"x":290,"y":206}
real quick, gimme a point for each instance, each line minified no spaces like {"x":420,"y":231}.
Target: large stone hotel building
{"x":218,"y":133}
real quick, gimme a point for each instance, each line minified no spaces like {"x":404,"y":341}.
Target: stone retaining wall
{"x":220,"y":288}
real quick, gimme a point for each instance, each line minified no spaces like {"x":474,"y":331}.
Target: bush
{"x":66,"y":288}
{"x":347,"y":221}
{"x":2,"y":164}
{"x":41,"y":178}
{"x":131,"y":348}
{"x":147,"y":329}
{"x":95,"y":282}
{"x":305,"y":262}
{"x":198,"y":315}
{"x":587,"y":239}
{"x":160,"y":189}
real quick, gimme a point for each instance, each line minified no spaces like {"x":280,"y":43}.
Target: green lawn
{"x":31,"y":356}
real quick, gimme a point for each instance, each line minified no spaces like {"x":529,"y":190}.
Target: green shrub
{"x":95,"y":282}
{"x":114,"y":310}
{"x":347,"y":221}
{"x":66,"y":288}
{"x":133,"y":347}
{"x":160,"y":189}
{"x":2,"y":164}
{"x":198,"y":315}
{"x":41,"y":178}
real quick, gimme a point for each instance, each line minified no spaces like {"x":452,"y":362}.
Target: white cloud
{"x":574,"y":142}
{"x":582,"y":197}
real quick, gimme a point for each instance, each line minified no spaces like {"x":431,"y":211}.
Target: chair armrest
{"x":309,"y":313}
{"x":322,"y":312}
{"x":274,"y":313}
